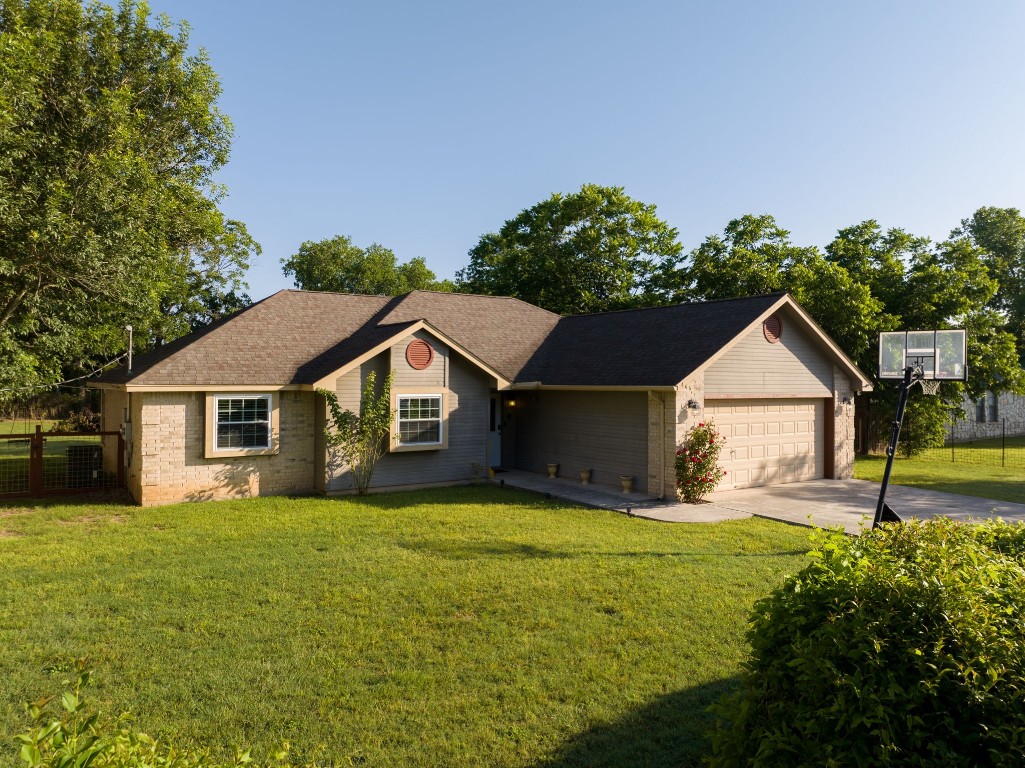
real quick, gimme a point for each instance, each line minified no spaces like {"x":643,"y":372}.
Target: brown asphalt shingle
{"x":298,"y":337}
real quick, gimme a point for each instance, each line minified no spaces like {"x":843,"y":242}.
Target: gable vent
{"x":419,"y":354}
{"x":772,"y":327}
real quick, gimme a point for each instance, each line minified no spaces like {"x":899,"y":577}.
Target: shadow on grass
{"x":670,"y":731}
{"x":473,"y":550}
{"x":108,"y":496}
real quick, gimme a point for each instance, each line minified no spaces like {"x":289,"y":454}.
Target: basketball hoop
{"x":930,"y":387}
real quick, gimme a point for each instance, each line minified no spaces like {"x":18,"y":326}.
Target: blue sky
{"x":422,"y":125}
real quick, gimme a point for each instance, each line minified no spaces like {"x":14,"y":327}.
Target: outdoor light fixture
{"x":846,"y":400}
{"x":693,"y":404}
{"x":511,"y":403}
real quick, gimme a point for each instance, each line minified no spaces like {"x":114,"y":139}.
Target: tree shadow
{"x":670,"y":731}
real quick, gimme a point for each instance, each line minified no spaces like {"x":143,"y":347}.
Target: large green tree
{"x":337,"y":264}
{"x":593,"y":250}
{"x":1000,"y":234}
{"x":110,"y":137}
{"x":869,"y":280}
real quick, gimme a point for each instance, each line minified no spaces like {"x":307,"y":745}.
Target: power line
{"x":102,"y":368}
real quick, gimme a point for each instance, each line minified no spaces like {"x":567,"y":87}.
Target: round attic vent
{"x":772,"y":327}
{"x":419,"y":354}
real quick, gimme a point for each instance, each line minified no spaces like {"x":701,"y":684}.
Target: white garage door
{"x":769,"y":441}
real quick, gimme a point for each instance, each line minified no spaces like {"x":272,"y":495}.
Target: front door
{"x":495,"y":432}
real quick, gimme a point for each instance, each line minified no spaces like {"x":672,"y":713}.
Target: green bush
{"x":65,"y":733}
{"x":697,"y":463}
{"x":902,"y":646}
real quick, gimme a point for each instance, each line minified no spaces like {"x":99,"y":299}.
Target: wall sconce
{"x":693,"y":404}
{"x":511,"y":403}
{"x":847,"y":399}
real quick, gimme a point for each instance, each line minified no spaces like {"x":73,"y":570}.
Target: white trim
{"x":441,"y":394}
{"x":218,"y":399}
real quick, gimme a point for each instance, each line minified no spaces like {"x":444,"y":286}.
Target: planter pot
{"x":585,"y":476}
{"x":627,"y":482}
{"x":553,"y":470}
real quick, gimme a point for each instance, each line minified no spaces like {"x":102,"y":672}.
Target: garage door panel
{"x":769,"y":441}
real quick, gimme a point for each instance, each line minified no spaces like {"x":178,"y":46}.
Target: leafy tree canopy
{"x":1000,"y":234}
{"x":110,"y":137}
{"x":870,"y":280}
{"x":590,"y":251}
{"x":336,"y":264}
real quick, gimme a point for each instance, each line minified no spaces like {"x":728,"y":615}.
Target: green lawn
{"x":988,"y":482}
{"x":455,"y":627}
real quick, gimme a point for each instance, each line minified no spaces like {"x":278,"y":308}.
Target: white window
{"x":242,"y":422}
{"x":420,"y":421}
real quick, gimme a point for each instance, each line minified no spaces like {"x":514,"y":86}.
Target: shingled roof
{"x":655,"y":347}
{"x":301,"y":337}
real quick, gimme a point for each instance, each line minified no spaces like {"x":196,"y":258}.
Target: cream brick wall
{"x":168,"y":465}
{"x":843,"y":426}
{"x":669,"y":421}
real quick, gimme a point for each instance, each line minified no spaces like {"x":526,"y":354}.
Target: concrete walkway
{"x":849,"y":504}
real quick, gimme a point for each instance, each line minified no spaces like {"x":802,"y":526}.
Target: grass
{"x":985,"y":481}
{"x":455,"y":627}
{"x":990,"y":451}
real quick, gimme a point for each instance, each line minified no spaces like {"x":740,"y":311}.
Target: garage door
{"x":769,"y":441}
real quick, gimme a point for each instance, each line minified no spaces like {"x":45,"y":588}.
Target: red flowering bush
{"x":697,"y":463}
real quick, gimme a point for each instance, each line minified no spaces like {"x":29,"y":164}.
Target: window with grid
{"x":242,"y":422}
{"x":419,"y":419}
{"x":991,"y":406}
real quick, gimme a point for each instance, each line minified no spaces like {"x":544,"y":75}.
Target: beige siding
{"x":769,"y":441}
{"x":753,"y":366}
{"x":432,"y":377}
{"x":468,"y":392}
{"x":167,"y":452}
{"x":606,"y":432}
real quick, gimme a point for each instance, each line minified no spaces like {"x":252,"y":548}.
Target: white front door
{"x":495,"y":432}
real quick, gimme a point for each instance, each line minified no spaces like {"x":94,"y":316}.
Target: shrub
{"x":65,"y":733}
{"x":903,"y":646}
{"x":82,"y":420}
{"x":697,"y":468}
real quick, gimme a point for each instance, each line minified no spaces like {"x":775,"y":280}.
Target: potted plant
{"x":627,"y":482}
{"x":585,"y":477}
{"x":553,"y":470}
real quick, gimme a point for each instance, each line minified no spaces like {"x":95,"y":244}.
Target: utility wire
{"x":102,"y":368}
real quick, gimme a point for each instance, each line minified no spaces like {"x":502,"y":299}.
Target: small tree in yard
{"x":359,"y":440}
{"x":697,"y":463}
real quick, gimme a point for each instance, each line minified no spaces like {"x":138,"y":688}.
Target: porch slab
{"x":607,"y":497}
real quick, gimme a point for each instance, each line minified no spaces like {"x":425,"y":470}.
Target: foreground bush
{"x":65,"y":733}
{"x":903,"y":646}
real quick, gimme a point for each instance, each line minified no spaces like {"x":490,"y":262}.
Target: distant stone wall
{"x":1010,"y":417}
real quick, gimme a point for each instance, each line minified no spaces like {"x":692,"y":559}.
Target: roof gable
{"x":298,"y":338}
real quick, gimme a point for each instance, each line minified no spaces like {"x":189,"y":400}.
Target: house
{"x":993,"y":415}
{"x":231,"y":410}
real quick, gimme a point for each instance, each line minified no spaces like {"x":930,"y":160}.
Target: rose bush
{"x":697,"y":463}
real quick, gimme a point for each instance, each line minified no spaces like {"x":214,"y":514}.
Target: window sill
{"x":231,"y":453}
{"x":416,"y":448}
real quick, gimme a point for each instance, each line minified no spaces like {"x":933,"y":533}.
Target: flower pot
{"x":628,"y":482}
{"x":553,"y":470}
{"x":585,"y":476}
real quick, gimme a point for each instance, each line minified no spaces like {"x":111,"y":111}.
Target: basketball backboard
{"x":939,"y":355}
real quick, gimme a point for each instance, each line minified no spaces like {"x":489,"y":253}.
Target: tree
{"x":110,"y":137}
{"x":336,"y":264}
{"x":358,"y":440}
{"x":1000,"y":234}
{"x":870,"y":280}
{"x":590,"y":251}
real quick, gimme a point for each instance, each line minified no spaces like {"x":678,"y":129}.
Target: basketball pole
{"x":883,"y":512}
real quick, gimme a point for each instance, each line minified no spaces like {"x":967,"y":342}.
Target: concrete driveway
{"x":852,"y":503}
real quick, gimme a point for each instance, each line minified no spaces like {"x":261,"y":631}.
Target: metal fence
{"x":993,"y":443}
{"x":45,"y":463}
